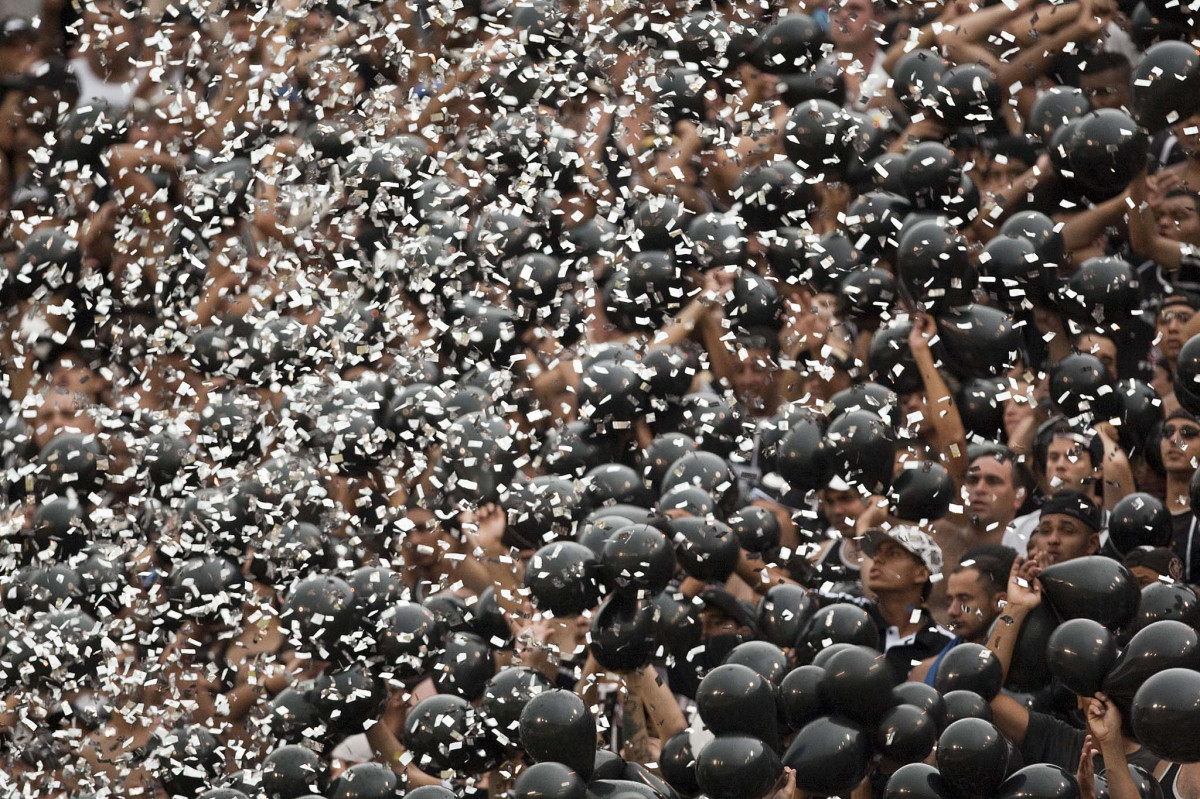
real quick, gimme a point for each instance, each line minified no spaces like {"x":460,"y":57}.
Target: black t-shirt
{"x":1185,"y":543}
{"x":1049,"y":740}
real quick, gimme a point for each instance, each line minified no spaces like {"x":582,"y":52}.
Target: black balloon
{"x":973,"y":757}
{"x":859,"y":684}
{"x":905,"y":734}
{"x":926,"y":697}
{"x":1172,"y":601}
{"x":841,"y":623}
{"x":802,"y":696}
{"x":966,"y":705}
{"x":862,"y":450}
{"x":1147,"y":786}
{"x":1093,"y":587}
{"x":622,"y":635}
{"x":783,"y":612}
{"x":978,"y":341}
{"x":549,"y":781}
{"x":1080,"y":654}
{"x":830,"y":755}
{"x":923,"y":492}
{"x":677,"y":763}
{"x":764,"y":658}
{"x":557,"y":725}
{"x":1040,"y":781}
{"x":1161,"y":645}
{"x":970,"y":667}
{"x":917,"y":781}
{"x":293,"y":771}
{"x":736,"y":700}
{"x":1028,"y":670}
{"x":464,"y":666}
{"x":1166,"y":85}
{"x":1166,"y":715}
{"x":444,"y":732}
{"x":638,"y":560}
{"x":367,"y":781}
{"x":563,"y":578}
{"x":706,"y":550}
{"x":737,"y":767}
{"x":505,"y":696}
{"x":1139,"y":520}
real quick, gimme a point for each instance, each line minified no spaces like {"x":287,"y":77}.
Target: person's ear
{"x":999,"y":600}
{"x":1093,"y":543}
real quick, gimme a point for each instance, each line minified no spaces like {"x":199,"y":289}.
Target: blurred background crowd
{"x":599,"y":401}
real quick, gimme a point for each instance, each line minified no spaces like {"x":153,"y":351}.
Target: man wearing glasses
{"x":1180,"y":450}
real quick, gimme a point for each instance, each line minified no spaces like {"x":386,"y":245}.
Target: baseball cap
{"x":912,"y":539}
{"x":1157,"y":559}
{"x":1076,"y":505}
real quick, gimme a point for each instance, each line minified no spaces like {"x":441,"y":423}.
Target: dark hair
{"x":1014,"y":148}
{"x":992,"y":561}
{"x":1104,"y":61}
{"x":1181,"y":192}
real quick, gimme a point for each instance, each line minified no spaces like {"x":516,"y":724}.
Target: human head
{"x":1105,"y":78}
{"x":1180,"y":444}
{"x":1179,"y":216}
{"x":1008,"y":158}
{"x":975,"y":588}
{"x":724,"y":614}
{"x":841,"y":505}
{"x":994,"y":493}
{"x":1174,"y":314}
{"x":1150,"y":564}
{"x":1068,"y":528}
{"x":757,"y":368}
{"x":1187,"y":132}
{"x":1103,"y":347}
{"x":901,"y":561}
{"x":852,"y":25}
{"x":1070,"y":458}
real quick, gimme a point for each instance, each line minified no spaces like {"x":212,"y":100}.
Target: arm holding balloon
{"x":950,"y":435}
{"x":660,"y":704}
{"x":1104,"y":724}
{"x":1116,"y":473}
{"x":1024,"y":594}
{"x":1143,"y":230}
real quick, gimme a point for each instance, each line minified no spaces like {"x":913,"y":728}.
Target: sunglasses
{"x":1183,"y":431}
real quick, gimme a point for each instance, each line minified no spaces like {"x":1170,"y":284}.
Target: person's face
{"x":1103,"y":348}
{"x":423,"y":541}
{"x":310,"y":29}
{"x":1188,"y":134}
{"x":972,"y":608}
{"x":74,"y":378}
{"x":1060,"y":538}
{"x":1019,"y":407}
{"x":1178,"y":219}
{"x":754,"y":380}
{"x":992,"y":498}
{"x":893,"y":569}
{"x":1002,"y":173}
{"x":1068,"y":466}
{"x":59,"y":412}
{"x":913,"y":412}
{"x":841,"y":508}
{"x":851,"y":23}
{"x":713,"y":622}
{"x":1144,"y":575}
{"x":1108,"y":89}
{"x":1171,"y":323}
{"x":1180,"y":445}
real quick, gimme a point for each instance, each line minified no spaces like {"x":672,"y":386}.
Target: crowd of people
{"x":562,"y":400}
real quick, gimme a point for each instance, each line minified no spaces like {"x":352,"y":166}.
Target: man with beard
{"x":976,"y":589}
{"x":1179,"y":447}
{"x":1068,"y":528}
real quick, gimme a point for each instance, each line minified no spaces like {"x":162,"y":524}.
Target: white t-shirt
{"x":93,"y":87}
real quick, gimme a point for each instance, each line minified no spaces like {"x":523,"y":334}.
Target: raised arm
{"x":948,"y":429}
